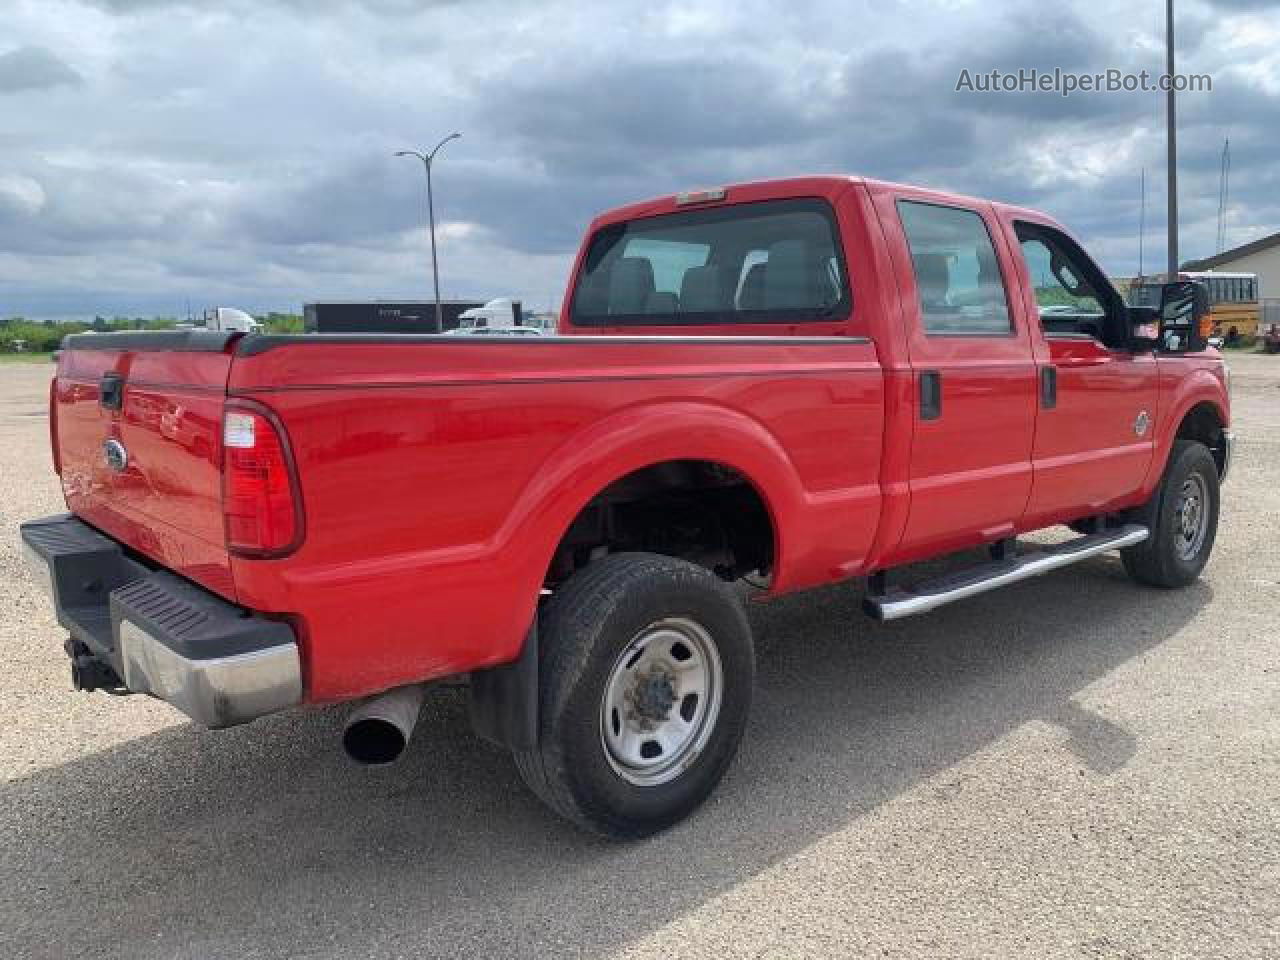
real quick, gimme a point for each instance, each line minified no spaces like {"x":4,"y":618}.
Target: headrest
{"x":933,"y":277}
{"x":786,"y":282}
{"x":630,"y":283}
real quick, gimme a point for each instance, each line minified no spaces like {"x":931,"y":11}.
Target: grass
{"x":25,"y":357}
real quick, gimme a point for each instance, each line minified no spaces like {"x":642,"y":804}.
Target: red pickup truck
{"x":794,"y":382}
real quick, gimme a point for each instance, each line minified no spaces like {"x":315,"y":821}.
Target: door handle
{"x":930,"y":395}
{"x":1048,"y":387}
{"x":111,"y":391}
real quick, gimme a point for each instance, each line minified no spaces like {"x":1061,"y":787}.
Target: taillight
{"x":260,"y":500}
{"x":53,"y":425}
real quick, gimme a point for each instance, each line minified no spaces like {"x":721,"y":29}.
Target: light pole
{"x":426,"y":159}
{"x":1171,"y":141}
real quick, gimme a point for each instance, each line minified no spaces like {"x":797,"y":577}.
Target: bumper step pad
{"x":163,"y":635}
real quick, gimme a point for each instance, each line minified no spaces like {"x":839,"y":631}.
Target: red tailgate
{"x":145,"y":468}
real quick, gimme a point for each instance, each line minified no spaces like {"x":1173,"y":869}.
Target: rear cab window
{"x":776,"y":261}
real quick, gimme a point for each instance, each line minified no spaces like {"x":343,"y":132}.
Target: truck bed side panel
{"x":438,"y":477}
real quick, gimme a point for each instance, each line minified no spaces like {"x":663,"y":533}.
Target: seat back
{"x":751,"y":296}
{"x":702,"y":290}
{"x":630,"y":285}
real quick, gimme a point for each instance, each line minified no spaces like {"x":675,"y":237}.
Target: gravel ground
{"x":1072,"y":767}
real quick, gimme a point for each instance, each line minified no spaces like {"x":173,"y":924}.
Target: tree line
{"x":44,"y":336}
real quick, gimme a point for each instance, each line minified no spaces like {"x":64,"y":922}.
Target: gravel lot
{"x":1071,"y":767}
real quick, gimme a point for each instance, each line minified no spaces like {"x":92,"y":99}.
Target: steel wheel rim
{"x":1191,"y":517}
{"x":661,"y":701}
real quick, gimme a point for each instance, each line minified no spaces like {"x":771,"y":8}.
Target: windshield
{"x":772,"y":262}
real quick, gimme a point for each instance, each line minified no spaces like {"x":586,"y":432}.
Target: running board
{"x":895,"y":603}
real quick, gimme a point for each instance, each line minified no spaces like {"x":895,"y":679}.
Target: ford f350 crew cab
{"x":802,"y":381}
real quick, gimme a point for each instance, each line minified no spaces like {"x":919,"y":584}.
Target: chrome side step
{"x":893,"y":603}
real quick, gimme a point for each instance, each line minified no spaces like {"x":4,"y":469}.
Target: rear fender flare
{"x":630,"y":440}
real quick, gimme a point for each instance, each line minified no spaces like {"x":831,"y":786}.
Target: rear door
{"x":139,"y":440}
{"x":974,"y":375}
{"x":1097,"y":422}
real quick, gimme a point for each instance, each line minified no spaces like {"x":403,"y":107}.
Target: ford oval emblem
{"x":117,"y":456}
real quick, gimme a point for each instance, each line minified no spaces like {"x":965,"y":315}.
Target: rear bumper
{"x":159,"y":634}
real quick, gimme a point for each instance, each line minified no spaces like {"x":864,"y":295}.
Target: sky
{"x":155,"y":153}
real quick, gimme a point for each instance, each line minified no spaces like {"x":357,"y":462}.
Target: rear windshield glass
{"x":772,"y":262}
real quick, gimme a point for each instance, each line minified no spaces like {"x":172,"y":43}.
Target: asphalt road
{"x":1072,"y":767}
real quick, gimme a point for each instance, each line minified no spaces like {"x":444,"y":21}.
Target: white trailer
{"x":230,"y":319}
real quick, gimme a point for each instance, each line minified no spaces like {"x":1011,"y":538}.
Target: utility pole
{"x":1142,"y":222}
{"x":1224,"y":195}
{"x":1171,"y":137}
{"x":427,"y":159}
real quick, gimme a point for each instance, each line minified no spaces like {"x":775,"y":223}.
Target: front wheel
{"x":1182,"y":516}
{"x":646,"y":677}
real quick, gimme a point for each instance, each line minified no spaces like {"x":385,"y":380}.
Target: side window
{"x":1073,"y":295}
{"x":957,"y":274}
{"x":1066,"y":302}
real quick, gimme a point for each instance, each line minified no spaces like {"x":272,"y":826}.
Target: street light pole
{"x":1171,"y":138}
{"x":427,"y":159}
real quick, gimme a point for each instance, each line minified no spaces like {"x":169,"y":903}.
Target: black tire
{"x":1159,"y":561}
{"x":583,"y":631}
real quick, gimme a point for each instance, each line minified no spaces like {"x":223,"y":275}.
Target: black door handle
{"x":111,"y":391}
{"x":930,"y":395}
{"x":1048,"y":387}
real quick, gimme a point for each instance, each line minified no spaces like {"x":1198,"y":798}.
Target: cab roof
{"x":819,"y":185}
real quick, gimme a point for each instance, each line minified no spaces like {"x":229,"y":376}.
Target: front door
{"x":1096,"y":426}
{"x":975,"y":381}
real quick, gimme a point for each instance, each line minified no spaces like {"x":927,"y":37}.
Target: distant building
{"x":1261,"y":257}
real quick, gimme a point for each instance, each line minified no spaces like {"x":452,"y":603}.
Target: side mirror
{"x":1184,"y":316}
{"x":1144,"y":328}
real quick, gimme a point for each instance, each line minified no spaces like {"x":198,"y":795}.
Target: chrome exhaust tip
{"x":379,"y":729}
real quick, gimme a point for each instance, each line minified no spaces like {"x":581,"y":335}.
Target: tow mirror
{"x":1184,"y":316}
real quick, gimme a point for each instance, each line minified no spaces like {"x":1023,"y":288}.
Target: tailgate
{"x":137,"y":421}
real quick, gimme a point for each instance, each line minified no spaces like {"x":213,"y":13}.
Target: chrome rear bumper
{"x":149,"y":631}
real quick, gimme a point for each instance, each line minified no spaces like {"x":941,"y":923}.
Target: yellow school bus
{"x":1233,"y":300}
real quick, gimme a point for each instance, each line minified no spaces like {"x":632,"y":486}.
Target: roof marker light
{"x":700,"y":196}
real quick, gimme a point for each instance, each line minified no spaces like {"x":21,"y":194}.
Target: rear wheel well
{"x":1203,"y":425}
{"x":698,"y":510}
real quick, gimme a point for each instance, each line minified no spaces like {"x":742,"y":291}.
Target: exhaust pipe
{"x":379,"y":729}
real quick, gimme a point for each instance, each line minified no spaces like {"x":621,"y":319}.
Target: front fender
{"x":1198,"y":387}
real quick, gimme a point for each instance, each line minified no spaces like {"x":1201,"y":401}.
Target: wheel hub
{"x":661,"y":701}
{"x":1191,"y":518}
{"x":653,"y":696}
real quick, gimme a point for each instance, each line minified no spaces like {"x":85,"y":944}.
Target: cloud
{"x":20,"y":196}
{"x":242,"y":151}
{"x":34,"y":68}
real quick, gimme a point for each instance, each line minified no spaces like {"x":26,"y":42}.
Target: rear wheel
{"x":646,"y":678}
{"x":1182,"y":516}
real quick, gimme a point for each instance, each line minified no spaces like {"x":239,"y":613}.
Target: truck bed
{"x":438,"y":473}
